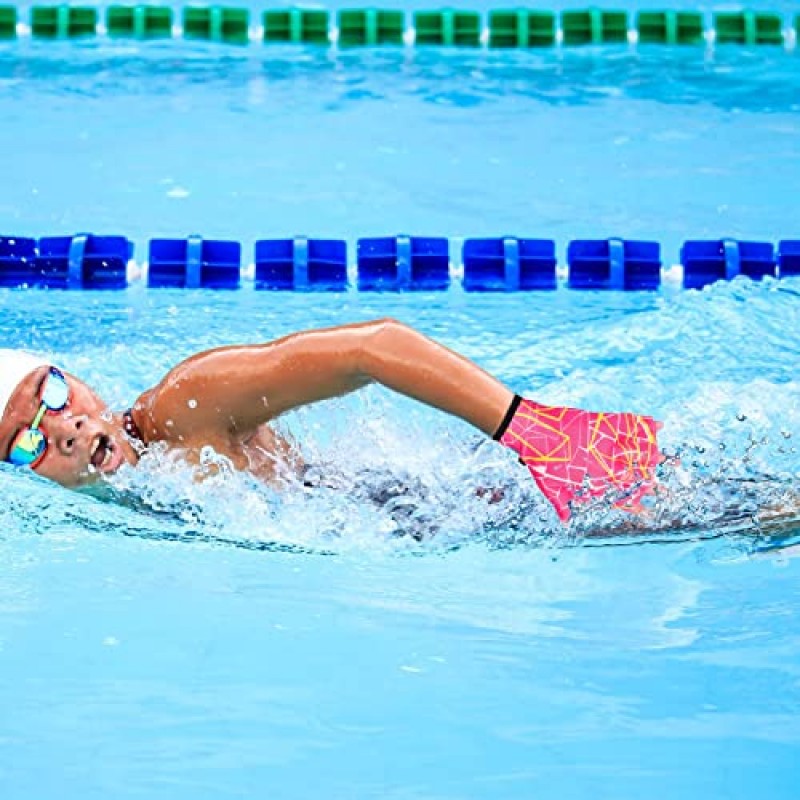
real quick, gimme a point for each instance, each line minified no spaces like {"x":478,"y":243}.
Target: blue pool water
{"x":221,"y":640}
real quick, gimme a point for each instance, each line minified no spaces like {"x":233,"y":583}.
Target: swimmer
{"x":226,"y":398}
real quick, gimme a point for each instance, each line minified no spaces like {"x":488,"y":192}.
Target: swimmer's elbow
{"x":379,"y":339}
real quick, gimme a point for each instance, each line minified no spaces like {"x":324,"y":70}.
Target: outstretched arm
{"x":233,"y":390}
{"x":573,"y":455}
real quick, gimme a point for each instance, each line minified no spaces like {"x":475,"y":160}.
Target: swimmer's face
{"x":83,"y":441}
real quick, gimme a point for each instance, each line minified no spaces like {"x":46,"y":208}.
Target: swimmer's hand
{"x":575,"y":455}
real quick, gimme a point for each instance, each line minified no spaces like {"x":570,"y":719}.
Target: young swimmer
{"x":225,"y":398}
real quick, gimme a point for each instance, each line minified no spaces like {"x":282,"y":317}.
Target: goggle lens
{"x":55,"y":394}
{"x":30,"y":444}
{"x":28,"y":448}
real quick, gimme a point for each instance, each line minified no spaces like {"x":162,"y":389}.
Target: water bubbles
{"x":192,"y":403}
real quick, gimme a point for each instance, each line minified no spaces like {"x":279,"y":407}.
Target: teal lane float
{"x":372,"y":27}
{"x":392,"y":263}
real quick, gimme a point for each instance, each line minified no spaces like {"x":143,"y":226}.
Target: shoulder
{"x":183,"y":404}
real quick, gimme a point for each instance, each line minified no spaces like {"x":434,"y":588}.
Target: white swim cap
{"x":14,"y":366}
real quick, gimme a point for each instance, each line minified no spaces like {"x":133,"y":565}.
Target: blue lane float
{"x":614,"y":264}
{"x":394,"y":263}
{"x":789,"y":257}
{"x":705,"y":262}
{"x":509,"y":264}
{"x":301,"y":264}
{"x":403,"y":263}
{"x":82,"y":261}
{"x":194,"y":263}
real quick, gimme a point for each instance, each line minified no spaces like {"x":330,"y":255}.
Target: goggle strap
{"x":39,"y":415}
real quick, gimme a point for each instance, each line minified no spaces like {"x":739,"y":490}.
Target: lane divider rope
{"x":393,"y":263}
{"x":520,"y":28}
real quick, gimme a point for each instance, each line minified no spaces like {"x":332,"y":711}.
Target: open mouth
{"x":102,"y":453}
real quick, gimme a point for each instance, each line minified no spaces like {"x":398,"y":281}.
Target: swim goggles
{"x":30,"y":444}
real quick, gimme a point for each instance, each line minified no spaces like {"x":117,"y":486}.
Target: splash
{"x":718,"y":367}
{"x":380,"y":490}
{"x":396,"y":487}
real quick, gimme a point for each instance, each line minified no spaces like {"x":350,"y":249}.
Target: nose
{"x":64,"y":430}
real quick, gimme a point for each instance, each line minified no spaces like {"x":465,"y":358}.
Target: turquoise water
{"x":223,"y":640}
{"x":257,"y":142}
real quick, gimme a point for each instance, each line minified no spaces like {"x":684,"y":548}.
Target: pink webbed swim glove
{"x":577,"y":455}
